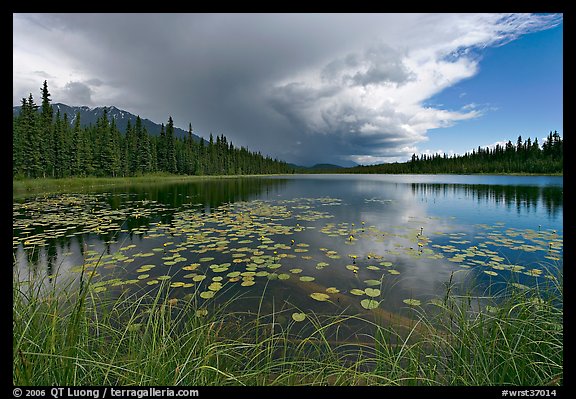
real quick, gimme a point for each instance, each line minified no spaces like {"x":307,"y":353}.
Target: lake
{"x":379,"y":246}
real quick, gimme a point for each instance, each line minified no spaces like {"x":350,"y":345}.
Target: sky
{"x":308,"y":88}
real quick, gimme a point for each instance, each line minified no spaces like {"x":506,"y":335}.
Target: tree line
{"x":45,"y":144}
{"x":526,"y":156}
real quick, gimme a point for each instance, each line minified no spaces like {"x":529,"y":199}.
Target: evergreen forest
{"x":526,"y":156}
{"x":44,"y":144}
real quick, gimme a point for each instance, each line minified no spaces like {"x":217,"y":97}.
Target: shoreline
{"x":23,"y":187}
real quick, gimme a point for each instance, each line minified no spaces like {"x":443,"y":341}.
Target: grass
{"x":72,"y":336}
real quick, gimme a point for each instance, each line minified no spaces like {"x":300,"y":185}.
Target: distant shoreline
{"x":23,"y":187}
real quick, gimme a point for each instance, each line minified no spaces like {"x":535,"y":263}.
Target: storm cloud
{"x":305,"y":88}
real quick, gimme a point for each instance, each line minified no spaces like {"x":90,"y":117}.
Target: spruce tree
{"x":161,"y":150}
{"x":170,"y":147}
{"x":47,"y":141}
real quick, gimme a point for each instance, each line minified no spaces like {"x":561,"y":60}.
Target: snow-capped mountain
{"x":89,"y":116}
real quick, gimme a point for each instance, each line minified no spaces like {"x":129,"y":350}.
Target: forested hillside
{"x":44,"y":144}
{"x":523,"y":157}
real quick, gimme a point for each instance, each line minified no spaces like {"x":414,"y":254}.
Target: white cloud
{"x":378,"y":94}
{"x":348,"y":86}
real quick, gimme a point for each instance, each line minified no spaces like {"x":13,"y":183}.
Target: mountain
{"x":325,"y":166}
{"x":322,"y":166}
{"x":89,"y":116}
{"x":317,"y":167}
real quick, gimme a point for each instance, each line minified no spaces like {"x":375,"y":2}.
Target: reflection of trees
{"x":209,"y":192}
{"x":164,"y":198}
{"x":527,"y":198}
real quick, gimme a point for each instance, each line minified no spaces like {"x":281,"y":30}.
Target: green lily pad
{"x":307,"y":278}
{"x":369,"y":303}
{"x":356,"y":291}
{"x":319,"y":296}
{"x":207,"y":294}
{"x":298,"y":317}
{"x":372,"y":292}
{"x":372,"y":282}
{"x":215,"y":286}
{"x":412,"y":302}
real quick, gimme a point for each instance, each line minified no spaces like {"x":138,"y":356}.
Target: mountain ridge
{"x":89,"y":116}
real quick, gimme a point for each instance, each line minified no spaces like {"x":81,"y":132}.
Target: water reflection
{"x":410,"y":237}
{"x":138,"y":205}
{"x":525,"y":199}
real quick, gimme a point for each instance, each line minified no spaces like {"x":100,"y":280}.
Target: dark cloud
{"x":94,"y":82}
{"x":302,"y":87}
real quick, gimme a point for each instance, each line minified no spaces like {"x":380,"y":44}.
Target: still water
{"x":357,"y":244}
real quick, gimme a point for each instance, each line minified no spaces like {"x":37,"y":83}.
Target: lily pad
{"x":215,"y":286}
{"x":298,"y":317}
{"x":372,"y":292}
{"x":369,"y":303}
{"x":207,"y":294}
{"x":412,"y":302}
{"x":320,"y":296}
{"x":307,"y":278}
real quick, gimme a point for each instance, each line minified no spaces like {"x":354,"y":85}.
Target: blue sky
{"x":308,"y":88}
{"x":520,"y":86}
